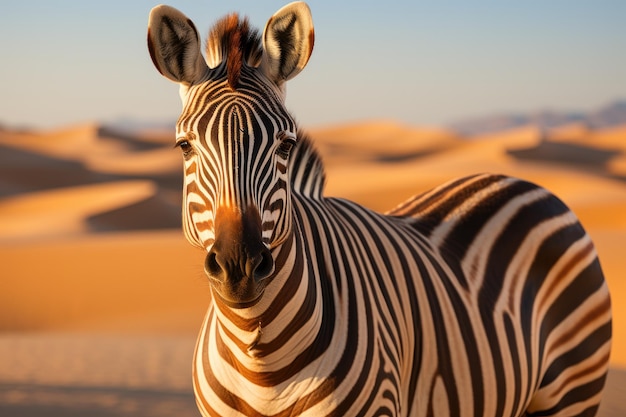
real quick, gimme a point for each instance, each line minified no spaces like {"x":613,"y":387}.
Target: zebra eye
{"x":284,"y":147}
{"x":185,"y":146}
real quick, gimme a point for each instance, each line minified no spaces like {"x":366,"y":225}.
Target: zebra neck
{"x":283,"y":326}
{"x":286,"y":353}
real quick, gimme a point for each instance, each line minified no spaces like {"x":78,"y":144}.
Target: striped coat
{"x":482,"y":297}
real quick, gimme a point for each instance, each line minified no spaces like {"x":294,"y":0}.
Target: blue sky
{"x":418,"y":62}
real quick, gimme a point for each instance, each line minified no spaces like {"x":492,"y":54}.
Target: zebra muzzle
{"x":238,"y":263}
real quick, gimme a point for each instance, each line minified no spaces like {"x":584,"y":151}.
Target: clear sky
{"x":418,"y":62}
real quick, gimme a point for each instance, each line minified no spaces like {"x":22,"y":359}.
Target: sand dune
{"x":102,"y":150}
{"x":84,"y":250}
{"x":95,"y":375}
{"x":141,"y":187}
{"x":63,"y":212}
{"x":382,"y":141}
{"x":129,"y":282}
{"x":87,"y":178}
{"x":151,"y":376}
{"x":71,"y":143}
{"x":153,"y":162}
{"x":573,"y":183}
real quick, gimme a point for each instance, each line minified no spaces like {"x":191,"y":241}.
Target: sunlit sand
{"x":83,"y":293}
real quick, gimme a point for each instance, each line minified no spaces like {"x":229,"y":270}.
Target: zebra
{"x":481,"y":297}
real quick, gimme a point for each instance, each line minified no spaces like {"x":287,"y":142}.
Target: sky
{"x":416,"y":62}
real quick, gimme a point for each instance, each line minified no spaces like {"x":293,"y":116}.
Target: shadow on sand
{"x":28,"y":400}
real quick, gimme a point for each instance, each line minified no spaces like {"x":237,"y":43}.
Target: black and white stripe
{"x":482,"y":297}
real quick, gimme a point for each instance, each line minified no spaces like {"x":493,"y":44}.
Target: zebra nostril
{"x":265,"y":266}
{"x":211,"y":265}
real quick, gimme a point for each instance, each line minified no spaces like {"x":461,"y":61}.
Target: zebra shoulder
{"x":463,"y":214}
{"x":475,"y":199}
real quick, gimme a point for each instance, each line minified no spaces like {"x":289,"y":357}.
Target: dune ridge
{"x":91,"y":246}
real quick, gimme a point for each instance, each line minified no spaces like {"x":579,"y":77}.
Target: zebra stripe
{"x":481,"y":297}
{"x":509,"y":322}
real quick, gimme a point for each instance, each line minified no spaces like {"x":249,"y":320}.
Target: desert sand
{"x":102,"y":296}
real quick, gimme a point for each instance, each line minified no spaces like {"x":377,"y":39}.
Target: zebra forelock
{"x":232,"y":40}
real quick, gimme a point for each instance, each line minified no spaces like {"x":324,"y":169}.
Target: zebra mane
{"x":231,"y":39}
{"x":307,"y":168}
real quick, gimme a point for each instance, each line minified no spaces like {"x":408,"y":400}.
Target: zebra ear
{"x":287,"y":42}
{"x":174,"y":46}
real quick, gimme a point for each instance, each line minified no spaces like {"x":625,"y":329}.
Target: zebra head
{"x":236,"y":136}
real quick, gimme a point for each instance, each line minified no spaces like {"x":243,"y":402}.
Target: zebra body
{"x":482,"y":297}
